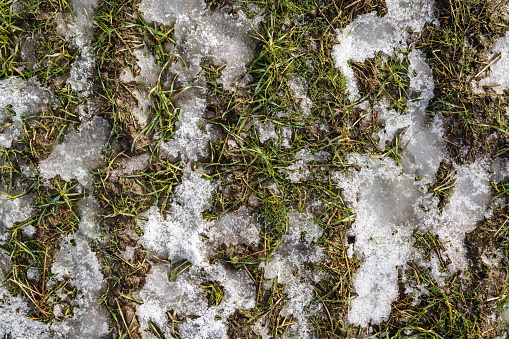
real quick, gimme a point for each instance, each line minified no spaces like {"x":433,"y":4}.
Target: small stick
{"x":122,"y":315}
{"x":488,"y":65}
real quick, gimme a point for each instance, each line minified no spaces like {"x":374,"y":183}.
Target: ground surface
{"x":254,"y":169}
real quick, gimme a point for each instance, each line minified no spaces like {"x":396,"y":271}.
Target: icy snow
{"x":285,"y":266}
{"x":266,"y":131}
{"x":386,"y":205}
{"x":148,"y":72}
{"x":130,"y":165}
{"x":13,"y":210}
{"x":369,"y":34}
{"x":18,"y":99}
{"x":79,"y":153}
{"x":180,"y":237}
{"x":177,"y":237}
{"x":390,"y":200}
{"x":78,"y":262}
{"x":298,"y":171}
{"x":184,"y":296}
{"x":201,"y":33}
{"x":498,"y":79}
{"x":299,"y":89}
{"x":77,"y":27}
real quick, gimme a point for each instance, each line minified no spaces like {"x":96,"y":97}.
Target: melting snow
{"x":79,"y":153}
{"x":77,"y":27}
{"x":498,"y":79}
{"x":78,"y":262}
{"x":390,"y":200}
{"x":369,"y":34}
{"x":299,"y":89}
{"x":18,"y":99}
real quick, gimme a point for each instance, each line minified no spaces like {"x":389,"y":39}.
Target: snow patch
{"x":498,"y":79}
{"x":130,"y":165}
{"x":79,"y":153}
{"x":369,"y":34}
{"x":300,"y":90}
{"x":298,"y":171}
{"x":18,"y":99}
{"x":296,"y":249}
{"x":77,"y":261}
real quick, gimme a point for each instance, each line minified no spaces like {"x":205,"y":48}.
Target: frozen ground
{"x":389,"y":196}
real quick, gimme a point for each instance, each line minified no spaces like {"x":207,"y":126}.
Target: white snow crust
{"x":79,"y":153}
{"x":18,"y":99}
{"x":76,"y":26}
{"x":369,"y":34}
{"x":83,"y":267}
{"x":498,"y":79}
{"x":300,"y":90}
{"x":76,"y":262}
{"x":391,"y":200}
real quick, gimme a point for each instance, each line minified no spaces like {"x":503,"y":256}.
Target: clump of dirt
{"x":131,"y":128}
{"x":240,"y":326}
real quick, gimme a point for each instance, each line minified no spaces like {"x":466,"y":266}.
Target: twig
{"x":488,"y":65}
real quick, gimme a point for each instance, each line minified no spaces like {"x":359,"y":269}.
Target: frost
{"x":78,"y":154}
{"x":19,"y":99}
